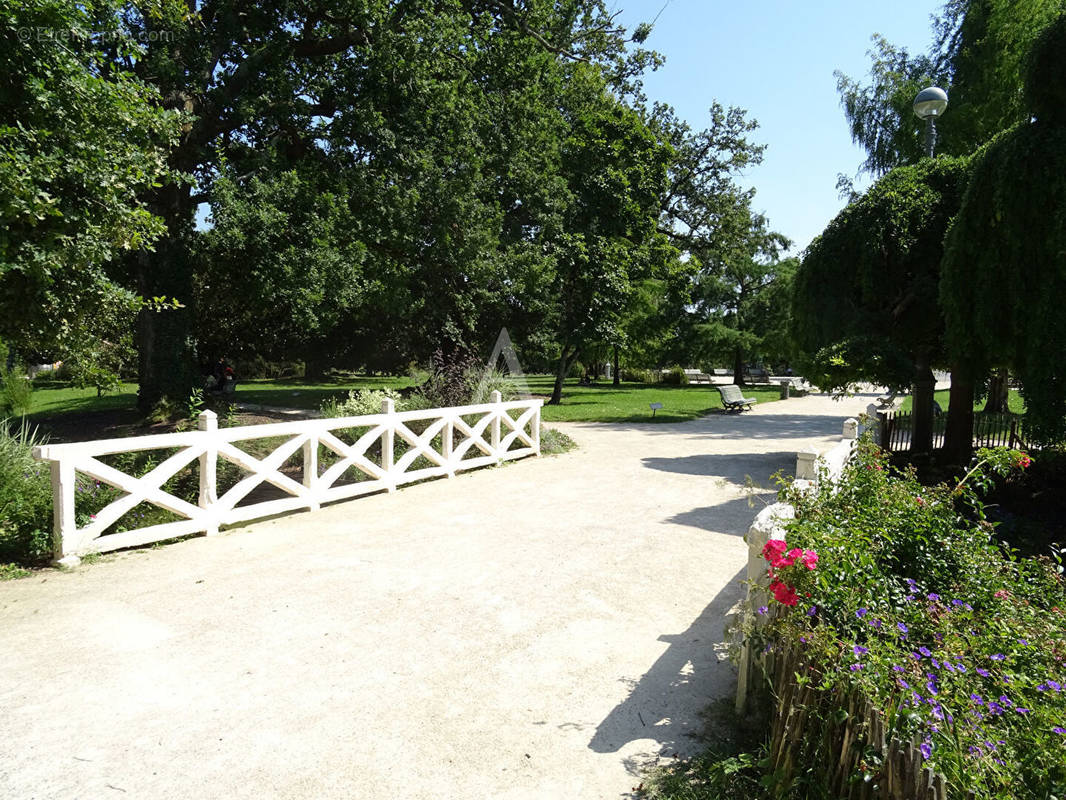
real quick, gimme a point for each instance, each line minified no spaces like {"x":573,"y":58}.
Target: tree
{"x":865,"y":303}
{"x":1004,"y":273}
{"x":977,"y":55}
{"x":80,"y":145}
{"x":735,"y":285}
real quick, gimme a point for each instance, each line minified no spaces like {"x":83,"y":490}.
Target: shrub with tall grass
{"x":25,"y":498}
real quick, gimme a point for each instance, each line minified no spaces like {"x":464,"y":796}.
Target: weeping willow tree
{"x":1003,"y":286}
{"x":865,"y":303}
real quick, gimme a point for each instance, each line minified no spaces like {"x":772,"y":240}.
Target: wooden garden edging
{"x":450,"y":441}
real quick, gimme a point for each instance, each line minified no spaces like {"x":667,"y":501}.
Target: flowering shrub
{"x":960,"y":644}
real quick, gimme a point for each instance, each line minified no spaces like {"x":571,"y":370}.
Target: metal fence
{"x":989,"y":430}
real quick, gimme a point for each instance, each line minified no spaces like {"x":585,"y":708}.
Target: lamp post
{"x":928,"y":105}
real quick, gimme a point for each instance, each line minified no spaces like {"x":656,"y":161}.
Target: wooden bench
{"x":733,"y":400}
{"x":757,"y":374}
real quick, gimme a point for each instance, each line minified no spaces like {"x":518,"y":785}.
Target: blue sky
{"x":776,"y":59}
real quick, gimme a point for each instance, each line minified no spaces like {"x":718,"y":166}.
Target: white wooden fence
{"x":451,"y":439}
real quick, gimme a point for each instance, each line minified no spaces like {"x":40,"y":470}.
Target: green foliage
{"x":708,"y":776}
{"x":634,"y":375}
{"x":362,"y":402}
{"x":675,"y":376}
{"x":865,"y":301}
{"x":1004,"y":265}
{"x":913,"y":604}
{"x":25,"y":498}
{"x":1045,"y":74}
{"x":978,"y":56}
{"x":553,"y":442}
{"x":16,"y":390}
{"x":88,"y":144}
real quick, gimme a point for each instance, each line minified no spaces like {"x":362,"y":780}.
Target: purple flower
{"x":1021,"y":710}
{"x":897,"y":668}
{"x":812,"y":611}
{"x":1060,"y":730}
{"x":909,"y":598}
{"x":902,"y":683}
{"x":994,"y":707}
{"x":925,"y":651}
{"x":926,"y":748}
{"x":931,"y":687}
{"x":984,"y":673}
{"x":932,"y":597}
{"x":1023,"y":642}
{"x":938,"y":712}
{"x":1005,"y":701}
{"x":902,"y":628}
{"x":1054,"y":685}
{"x":762,"y":610}
{"x":948,"y":667}
{"x":1042,"y":687}
{"x":915,"y":656}
{"x":956,"y":603}
{"x":856,"y":667}
{"x":876,"y":623}
{"x":976,"y":698}
{"x":860,"y":613}
{"x":859,"y":650}
{"x":960,"y":668}
{"x":911,"y":582}
{"x":997,"y":657}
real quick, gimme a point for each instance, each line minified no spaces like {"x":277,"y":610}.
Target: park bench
{"x":757,"y":374}
{"x":733,"y":400}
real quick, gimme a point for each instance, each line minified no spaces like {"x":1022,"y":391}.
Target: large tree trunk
{"x":958,"y":438}
{"x":166,"y":343}
{"x":738,"y":366}
{"x":998,"y":393}
{"x":923,"y":390}
{"x":566,"y":358}
{"x":616,"y":379}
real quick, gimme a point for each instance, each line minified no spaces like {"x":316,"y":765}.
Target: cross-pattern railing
{"x":385,"y":451}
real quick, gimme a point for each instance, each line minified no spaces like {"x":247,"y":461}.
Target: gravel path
{"x":541,"y":630}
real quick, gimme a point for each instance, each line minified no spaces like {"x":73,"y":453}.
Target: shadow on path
{"x":666,"y":703}
{"x":741,"y":426}
{"x":733,"y":467}
{"x":732,"y":518}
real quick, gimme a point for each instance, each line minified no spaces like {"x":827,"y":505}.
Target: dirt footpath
{"x":539,"y":630}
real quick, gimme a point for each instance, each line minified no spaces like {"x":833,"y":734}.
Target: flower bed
{"x":910,"y":645}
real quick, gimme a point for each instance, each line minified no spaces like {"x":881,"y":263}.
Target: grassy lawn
{"x":630,"y":402}
{"x":53,"y":400}
{"x":57,"y":398}
{"x":1014,"y":402}
{"x":599,"y":403}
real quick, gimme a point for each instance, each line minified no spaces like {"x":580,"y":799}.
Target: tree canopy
{"x":1004,"y":274}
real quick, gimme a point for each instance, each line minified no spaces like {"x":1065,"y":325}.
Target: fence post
{"x":497,"y":399}
{"x":311,"y":470}
{"x":207,"y":422}
{"x":63,"y":523}
{"x":884,"y":423}
{"x":388,"y":439}
{"x":536,"y":430}
{"x":806,"y":467}
{"x":446,"y":435}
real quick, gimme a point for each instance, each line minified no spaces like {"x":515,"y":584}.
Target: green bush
{"x":553,"y":442}
{"x":25,"y":499}
{"x":634,"y":375}
{"x":675,"y":376}
{"x":362,"y":402}
{"x":913,"y":604}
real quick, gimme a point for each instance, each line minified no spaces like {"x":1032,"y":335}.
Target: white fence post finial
{"x":207,"y":422}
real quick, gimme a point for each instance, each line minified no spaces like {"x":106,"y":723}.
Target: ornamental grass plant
{"x":899,"y":591}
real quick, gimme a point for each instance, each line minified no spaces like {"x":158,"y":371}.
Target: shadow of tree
{"x":665,"y":705}
{"x":733,"y":518}
{"x":733,"y":467}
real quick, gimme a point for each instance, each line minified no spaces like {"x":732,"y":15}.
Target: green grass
{"x":631,"y":401}
{"x":54,"y":399}
{"x":301,"y":394}
{"x":58,"y":398}
{"x":1015,"y":403}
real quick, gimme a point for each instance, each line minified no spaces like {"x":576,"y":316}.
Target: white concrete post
{"x":208,"y":423}
{"x":496,"y":398}
{"x":851,"y":428}
{"x":806,"y":467}
{"x":311,"y":470}
{"x":63,"y":522}
{"x":388,"y":439}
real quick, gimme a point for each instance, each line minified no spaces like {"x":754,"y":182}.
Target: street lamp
{"x":928,"y":105}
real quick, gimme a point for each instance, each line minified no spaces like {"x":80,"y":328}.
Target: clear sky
{"x":775,"y":58}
